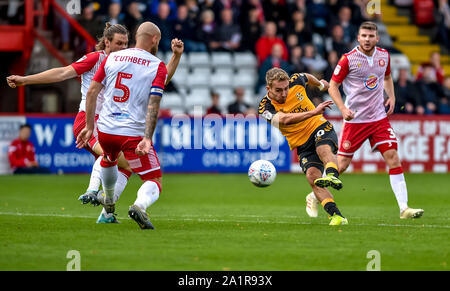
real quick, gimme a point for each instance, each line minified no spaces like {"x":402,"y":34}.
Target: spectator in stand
{"x":215,"y":6}
{"x":274,"y":60}
{"x":345,"y":21}
{"x":133,"y":18}
{"x":437,"y":72}
{"x":251,"y":29}
{"x":319,"y":15}
{"x":165,"y":25}
{"x":154,"y":8}
{"x":430,"y":89}
{"x":276,"y":11}
{"x":407,"y":98}
{"x":228,"y":33}
{"x":21,"y":154}
{"x":444,"y":103}
{"x":193,"y":10}
{"x":239,"y":106}
{"x":184,"y":28}
{"x":332,"y":60}
{"x":291,"y":42}
{"x":92,"y":24}
{"x":296,"y":65}
{"x":214,"y":108}
{"x":114,"y":13}
{"x":444,"y":23}
{"x":263,"y":47}
{"x":300,"y":27}
{"x":206,"y":32}
{"x":313,"y":61}
{"x":336,"y":41}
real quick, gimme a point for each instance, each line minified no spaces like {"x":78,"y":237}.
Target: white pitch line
{"x":201,"y":218}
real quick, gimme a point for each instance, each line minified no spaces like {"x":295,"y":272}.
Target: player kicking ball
{"x":287,"y":107}
{"x":365,"y":73}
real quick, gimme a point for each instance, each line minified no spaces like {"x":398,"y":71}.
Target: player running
{"x":364,"y":72}
{"x":287,"y":107}
{"x":134,"y":81}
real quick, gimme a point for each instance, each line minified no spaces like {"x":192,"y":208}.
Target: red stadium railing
{"x":20,"y":38}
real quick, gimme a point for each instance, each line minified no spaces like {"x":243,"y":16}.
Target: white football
{"x":262,"y":173}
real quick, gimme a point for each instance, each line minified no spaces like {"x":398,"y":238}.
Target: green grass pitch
{"x":222,"y":222}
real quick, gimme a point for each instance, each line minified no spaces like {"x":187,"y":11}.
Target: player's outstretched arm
{"x":177,"y":50}
{"x":91,"y":103}
{"x":291,"y":118}
{"x":144,"y":146}
{"x":333,"y":90}
{"x":389,"y":88}
{"x":50,"y":76}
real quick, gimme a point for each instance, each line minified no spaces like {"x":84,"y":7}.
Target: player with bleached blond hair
{"x":287,"y":107}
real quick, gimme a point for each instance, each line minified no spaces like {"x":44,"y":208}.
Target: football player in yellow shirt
{"x":287,"y":107}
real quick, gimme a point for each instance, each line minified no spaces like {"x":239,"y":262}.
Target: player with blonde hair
{"x":287,"y":107}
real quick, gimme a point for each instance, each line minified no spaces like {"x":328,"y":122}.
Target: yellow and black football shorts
{"x":307,"y":155}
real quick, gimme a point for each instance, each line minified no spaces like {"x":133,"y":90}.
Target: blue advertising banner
{"x":55,"y":145}
{"x":218,"y":144}
{"x":184,"y":144}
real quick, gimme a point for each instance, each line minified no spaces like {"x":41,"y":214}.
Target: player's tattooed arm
{"x":152,"y":115}
{"x":151,"y":119}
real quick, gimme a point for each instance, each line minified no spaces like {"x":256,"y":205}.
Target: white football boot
{"x":411,"y":213}
{"x":312,"y":205}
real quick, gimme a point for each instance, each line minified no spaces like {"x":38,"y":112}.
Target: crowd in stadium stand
{"x":296,"y":35}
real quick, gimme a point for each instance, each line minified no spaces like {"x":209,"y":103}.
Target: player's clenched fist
{"x":177,"y":46}
{"x":15,"y":81}
{"x":143,"y":148}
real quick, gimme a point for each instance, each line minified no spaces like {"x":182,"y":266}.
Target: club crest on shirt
{"x":381,"y":63}
{"x":346,"y":144}
{"x":371,"y":82}
{"x":300,"y":96}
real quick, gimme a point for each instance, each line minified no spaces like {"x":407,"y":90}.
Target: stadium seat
{"x":197,"y":103}
{"x":180,"y":76}
{"x":221,"y":59}
{"x":203,"y":92}
{"x":171,"y":100}
{"x":198,"y":80}
{"x":244,"y":60}
{"x":198,"y":59}
{"x":244,"y":80}
{"x":221,"y":79}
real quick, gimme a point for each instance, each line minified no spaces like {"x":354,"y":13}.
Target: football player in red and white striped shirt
{"x":115,"y":37}
{"x":365,"y":74}
{"x":134,"y":81}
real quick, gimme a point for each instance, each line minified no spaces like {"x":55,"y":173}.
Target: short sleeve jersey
{"x":362,"y":78}
{"x":129,"y":77}
{"x":297,"y":101}
{"x":86,"y":67}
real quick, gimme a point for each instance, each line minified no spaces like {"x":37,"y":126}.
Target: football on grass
{"x":262,"y":173}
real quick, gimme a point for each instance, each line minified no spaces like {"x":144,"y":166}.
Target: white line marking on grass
{"x":210,"y":218}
